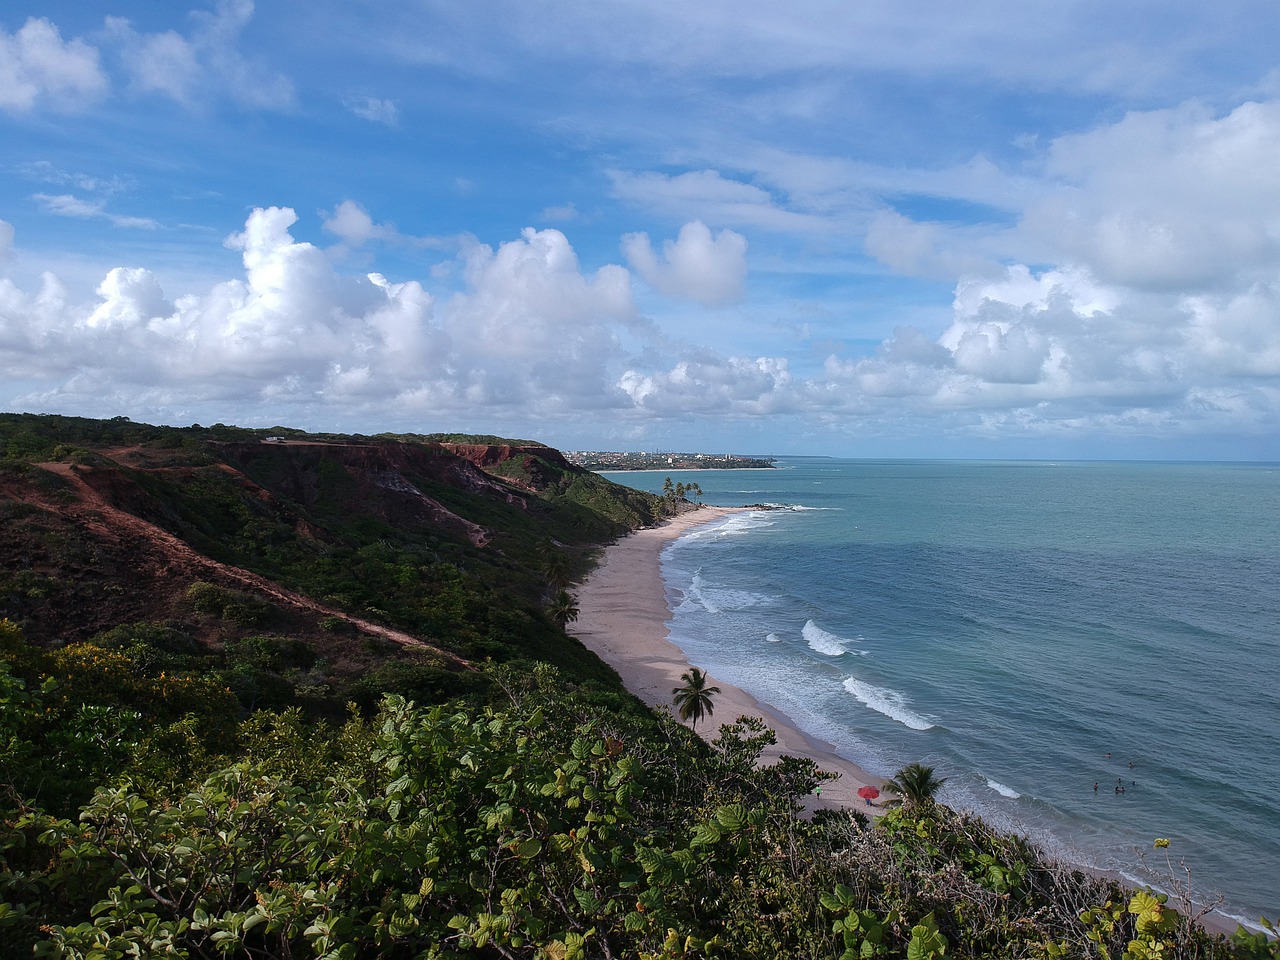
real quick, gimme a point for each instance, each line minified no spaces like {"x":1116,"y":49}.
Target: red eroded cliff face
{"x":490,"y":455}
{"x":529,"y":467}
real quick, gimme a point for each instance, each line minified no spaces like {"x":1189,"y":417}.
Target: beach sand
{"x":622,"y":618}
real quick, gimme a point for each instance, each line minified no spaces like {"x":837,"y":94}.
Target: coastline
{"x":622,"y":618}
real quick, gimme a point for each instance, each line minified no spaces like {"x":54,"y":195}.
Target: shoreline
{"x":622,"y":618}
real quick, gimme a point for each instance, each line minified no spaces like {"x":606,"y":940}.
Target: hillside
{"x":392,"y":563}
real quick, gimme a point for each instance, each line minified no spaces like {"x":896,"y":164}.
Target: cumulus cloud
{"x":1173,"y":199}
{"x":524,"y":331}
{"x":353,"y":225}
{"x":38,"y":66}
{"x":736,"y":386}
{"x":6,"y":239}
{"x":528,"y":330}
{"x":709,"y":270}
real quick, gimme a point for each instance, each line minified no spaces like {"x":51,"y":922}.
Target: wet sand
{"x":622,"y":618}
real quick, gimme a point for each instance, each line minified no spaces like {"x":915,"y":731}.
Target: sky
{"x":874,"y":229}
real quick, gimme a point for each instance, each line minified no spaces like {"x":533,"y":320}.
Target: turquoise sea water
{"x":1012,"y":624}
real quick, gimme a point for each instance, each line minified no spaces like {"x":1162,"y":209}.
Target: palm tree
{"x":915,"y":784}
{"x":564,"y":608}
{"x":555,"y":565}
{"x":693,"y":699}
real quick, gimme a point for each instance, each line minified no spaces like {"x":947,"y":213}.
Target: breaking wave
{"x":822,"y":642}
{"x":1004,"y":791}
{"x":889,"y":702}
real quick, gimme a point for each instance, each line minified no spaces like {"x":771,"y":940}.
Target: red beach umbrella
{"x":868,"y":793}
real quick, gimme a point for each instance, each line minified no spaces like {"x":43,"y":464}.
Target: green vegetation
{"x":307,"y":699}
{"x":915,"y":785}
{"x":544,"y":824}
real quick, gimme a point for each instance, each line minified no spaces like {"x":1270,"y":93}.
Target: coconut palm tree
{"x":554,"y":563}
{"x":915,"y":785}
{"x":564,"y":608}
{"x":693,"y":699}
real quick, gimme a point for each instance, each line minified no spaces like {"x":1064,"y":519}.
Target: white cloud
{"x":66,"y":205}
{"x":353,"y":225}
{"x":131,"y":298}
{"x":532,"y":328}
{"x":709,"y":270}
{"x":37,"y":65}
{"x":527,"y":334}
{"x":161,"y":62}
{"x":1174,"y":199}
{"x":371,"y":108}
{"x":736,"y":386}
{"x":204,"y":65}
{"x":6,"y":240}
{"x":528,"y":331}
{"x":930,"y":250}
{"x":707,"y":195}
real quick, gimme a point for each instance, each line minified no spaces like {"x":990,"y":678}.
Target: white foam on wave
{"x":773,"y":638}
{"x":1003,"y":790}
{"x":699,"y":596}
{"x":714,"y":600}
{"x":735,"y":599}
{"x":740,"y":525}
{"x":822,"y":642}
{"x":889,"y":702}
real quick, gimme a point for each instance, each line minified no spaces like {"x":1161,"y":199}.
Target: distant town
{"x":610,"y":460}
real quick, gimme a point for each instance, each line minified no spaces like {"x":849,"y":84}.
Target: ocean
{"x":1030,"y":629}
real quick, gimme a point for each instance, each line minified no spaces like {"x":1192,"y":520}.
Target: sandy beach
{"x":622,"y":618}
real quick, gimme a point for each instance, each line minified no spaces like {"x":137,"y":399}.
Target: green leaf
{"x":705,"y":834}
{"x":926,"y":942}
{"x":732,"y":818}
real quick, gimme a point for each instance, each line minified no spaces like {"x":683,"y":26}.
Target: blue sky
{"x":1003,"y":230}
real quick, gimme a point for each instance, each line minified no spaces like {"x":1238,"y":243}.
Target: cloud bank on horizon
{"x":1038,"y":232}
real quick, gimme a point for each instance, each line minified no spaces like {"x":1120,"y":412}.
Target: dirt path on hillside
{"x":101,"y":516}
